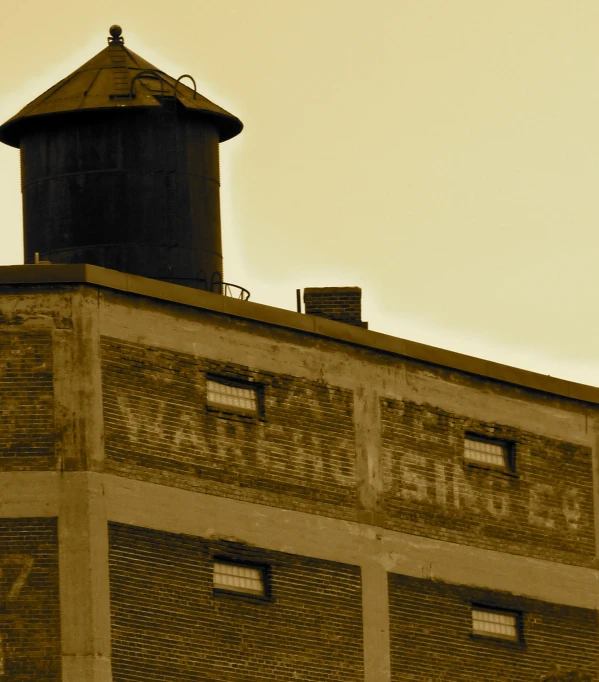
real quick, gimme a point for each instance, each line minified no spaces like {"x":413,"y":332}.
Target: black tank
{"x":120,"y":168}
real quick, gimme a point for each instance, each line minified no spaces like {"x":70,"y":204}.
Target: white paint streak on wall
{"x":227,"y":445}
{"x":571,"y":508}
{"x":413,"y":478}
{"x":306,"y":459}
{"x":540,"y":508}
{"x":440,"y":484}
{"x":498,"y":502}
{"x":184,"y":432}
{"x":342,"y":477}
{"x":464,"y":494}
{"x":139,"y":429}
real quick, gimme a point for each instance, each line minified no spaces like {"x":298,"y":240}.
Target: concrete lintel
{"x":173,"y":510}
{"x":29,"y":494}
{"x":84,"y":579}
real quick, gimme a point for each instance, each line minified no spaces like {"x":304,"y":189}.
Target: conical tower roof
{"x":115,"y":78}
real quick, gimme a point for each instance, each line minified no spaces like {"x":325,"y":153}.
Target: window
{"x":233,"y":396}
{"x":496,"y":624}
{"x":488,"y":452}
{"x":240,"y":578}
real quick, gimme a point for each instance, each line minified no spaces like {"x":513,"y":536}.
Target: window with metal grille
{"x":240,"y":578}
{"x":228,"y":395}
{"x":496,"y":624}
{"x":488,"y":452}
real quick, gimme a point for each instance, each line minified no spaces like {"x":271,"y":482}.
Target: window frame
{"x":493,"y":636}
{"x":509,"y":447}
{"x":264,"y":569}
{"x":247,"y":384}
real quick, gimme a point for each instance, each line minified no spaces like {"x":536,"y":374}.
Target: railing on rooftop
{"x":231,"y":290}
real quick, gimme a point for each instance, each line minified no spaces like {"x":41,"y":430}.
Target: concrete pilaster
{"x":84,"y":579}
{"x":78,"y":387}
{"x":595,"y":448}
{"x":367,"y":426}
{"x":82,"y":525}
{"x":375,"y":614}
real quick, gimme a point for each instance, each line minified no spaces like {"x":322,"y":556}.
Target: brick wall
{"x":29,"y":603}
{"x":26,"y":408}
{"x":168,"y":625}
{"x":432,"y":641}
{"x":544,"y":510}
{"x":157,"y":420}
{"x":343,"y":304}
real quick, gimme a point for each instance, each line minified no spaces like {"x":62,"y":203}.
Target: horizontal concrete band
{"x":165,"y":291}
{"x":149,"y":505}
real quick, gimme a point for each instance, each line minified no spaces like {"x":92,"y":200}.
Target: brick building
{"x":195,"y":487}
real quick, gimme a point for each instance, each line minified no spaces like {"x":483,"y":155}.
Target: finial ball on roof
{"x":115,"y":31}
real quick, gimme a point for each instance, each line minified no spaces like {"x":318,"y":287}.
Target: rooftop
{"x":164,"y":291}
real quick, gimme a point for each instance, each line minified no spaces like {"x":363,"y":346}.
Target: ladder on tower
{"x":120,"y":73}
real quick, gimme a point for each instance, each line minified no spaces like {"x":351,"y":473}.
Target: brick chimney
{"x":342,"y":304}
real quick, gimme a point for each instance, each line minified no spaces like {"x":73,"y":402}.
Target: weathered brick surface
{"x":343,"y":304}
{"x":432,"y":641}
{"x":29,"y":603}
{"x":26,"y":401}
{"x":545,"y":510}
{"x":157,"y":420}
{"x":168,"y":625}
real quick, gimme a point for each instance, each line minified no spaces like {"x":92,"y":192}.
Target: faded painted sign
{"x":446,"y":485}
{"x":295,"y":443}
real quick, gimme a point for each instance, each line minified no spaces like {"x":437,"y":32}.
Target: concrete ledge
{"x":86,"y":669}
{"x":29,"y":494}
{"x":174,"y":293}
{"x":173,"y":510}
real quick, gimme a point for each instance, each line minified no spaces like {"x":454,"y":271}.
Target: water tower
{"x":120,"y":169}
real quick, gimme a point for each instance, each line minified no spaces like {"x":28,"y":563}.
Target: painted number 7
{"x":24,"y":563}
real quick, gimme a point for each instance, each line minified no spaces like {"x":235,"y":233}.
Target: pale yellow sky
{"x":441,"y":154}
